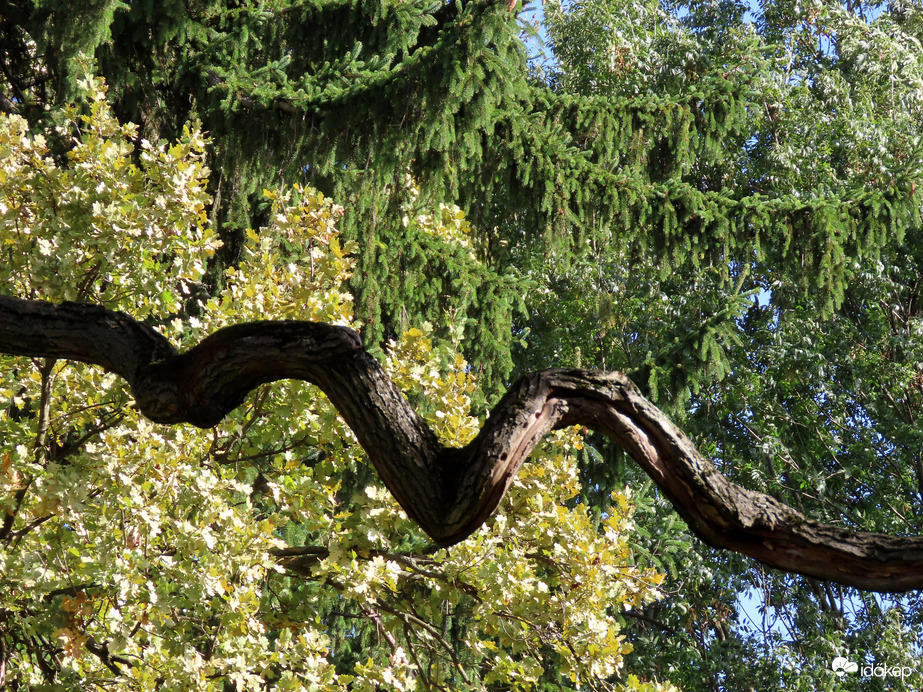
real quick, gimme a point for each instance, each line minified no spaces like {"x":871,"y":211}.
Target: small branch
{"x":17,"y":536}
{"x":7,"y":528}
{"x":656,"y":623}
{"x":107,"y":659}
{"x":379,"y":627}
{"x":300,"y":559}
{"x":70,"y":590}
{"x":44,"y":409}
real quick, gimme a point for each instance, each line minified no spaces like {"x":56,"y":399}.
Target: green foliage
{"x":391,"y":88}
{"x":65,"y":227}
{"x":670,"y":144}
{"x":727,"y":209}
{"x":790,"y":349}
{"x":260,"y":554}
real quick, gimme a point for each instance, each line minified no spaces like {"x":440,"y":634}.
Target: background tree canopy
{"x":721,"y":201}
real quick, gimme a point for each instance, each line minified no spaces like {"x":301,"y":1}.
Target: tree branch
{"x":451,"y":492}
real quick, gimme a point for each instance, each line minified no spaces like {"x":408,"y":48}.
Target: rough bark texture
{"x":451,"y":492}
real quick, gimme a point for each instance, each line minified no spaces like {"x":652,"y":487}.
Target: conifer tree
{"x":351,"y":97}
{"x":690,"y":166}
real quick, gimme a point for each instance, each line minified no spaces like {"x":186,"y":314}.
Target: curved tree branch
{"x":450,"y":492}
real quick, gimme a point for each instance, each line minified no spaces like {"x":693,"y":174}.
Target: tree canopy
{"x":725,"y":210}
{"x":239,"y":556}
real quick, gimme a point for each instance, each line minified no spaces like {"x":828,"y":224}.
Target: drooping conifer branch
{"x":451,"y":492}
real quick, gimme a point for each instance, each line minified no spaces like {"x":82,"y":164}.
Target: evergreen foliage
{"x":728,"y":210}
{"x":351,"y":97}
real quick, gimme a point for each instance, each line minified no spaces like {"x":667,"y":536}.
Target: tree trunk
{"x":450,"y":492}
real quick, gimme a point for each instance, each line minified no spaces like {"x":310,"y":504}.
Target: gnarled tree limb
{"x":451,"y":492}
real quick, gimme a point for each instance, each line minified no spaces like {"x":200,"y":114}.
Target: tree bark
{"x":450,"y":492}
